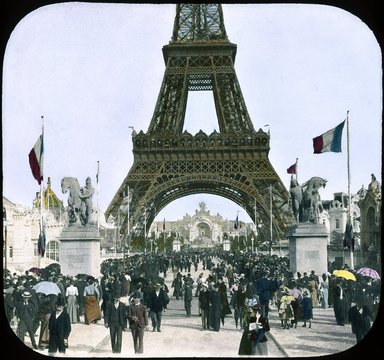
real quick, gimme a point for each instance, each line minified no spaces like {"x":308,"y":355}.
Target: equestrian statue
{"x":80,"y":204}
{"x":305,"y":199}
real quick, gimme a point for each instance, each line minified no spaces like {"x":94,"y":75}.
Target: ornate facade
{"x":21,"y":231}
{"x":370,"y":219}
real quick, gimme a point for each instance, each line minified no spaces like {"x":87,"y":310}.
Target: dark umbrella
{"x":53,"y":268}
{"x":35,"y":270}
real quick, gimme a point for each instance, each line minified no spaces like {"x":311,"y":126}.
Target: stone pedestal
{"x":176,"y":245}
{"x":80,"y":250}
{"x":308,"y":248}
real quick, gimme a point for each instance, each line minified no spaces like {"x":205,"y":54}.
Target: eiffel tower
{"x":232,"y":163}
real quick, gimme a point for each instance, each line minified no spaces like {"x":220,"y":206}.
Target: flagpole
{"x":349,"y":190}
{"x":255,"y":225}
{"x":145,"y":230}
{"x":41,"y":190}
{"x":270,"y":205}
{"x":238,"y":230}
{"x":164,"y":236}
{"x":127,"y":226}
{"x":296,"y":168}
{"x":97,"y":198}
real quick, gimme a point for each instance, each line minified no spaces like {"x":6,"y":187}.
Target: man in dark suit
{"x":264,"y":288}
{"x":138,"y":321}
{"x":204,"y":306}
{"x":115,"y":318}
{"x":80,"y":283}
{"x":360,"y":318}
{"x":157,"y":303}
{"x":26,"y":313}
{"x":59,"y":329}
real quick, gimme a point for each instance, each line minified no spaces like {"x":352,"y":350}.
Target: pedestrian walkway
{"x":183,"y":336}
{"x":324,"y":337}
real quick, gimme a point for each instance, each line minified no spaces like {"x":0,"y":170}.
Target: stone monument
{"x":80,"y":238}
{"x":307,"y":237}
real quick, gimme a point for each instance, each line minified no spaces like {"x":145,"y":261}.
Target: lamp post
{"x":5,"y":236}
{"x":270,"y":208}
{"x":128,"y":230}
{"x":145,"y":230}
{"x":115,"y":227}
{"x":252,"y":240}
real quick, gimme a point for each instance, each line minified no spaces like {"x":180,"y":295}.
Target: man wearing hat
{"x":204,"y":306}
{"x":8,"y":300}
{"x":115,"y":318}
{"x":59,"y":326}
{"x":26,"y":313}
{"x":157,"y":303}
{"x":138,"y":321}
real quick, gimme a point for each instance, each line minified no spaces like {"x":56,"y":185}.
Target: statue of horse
{"x":305,"y":199}
{"x":75,"y":204}
{"x":311,"y":198}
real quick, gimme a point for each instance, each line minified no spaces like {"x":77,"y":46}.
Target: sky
{"x":94,"y":70}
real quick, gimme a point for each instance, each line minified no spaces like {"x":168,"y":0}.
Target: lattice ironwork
{"x":196,"y":22}
{"x":170,"y":164}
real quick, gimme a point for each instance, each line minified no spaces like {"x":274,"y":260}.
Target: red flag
{"x":293,"y":168}
{"x":36,"y":159}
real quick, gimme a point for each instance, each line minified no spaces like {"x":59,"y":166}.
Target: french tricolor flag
{"x":329,"y":141}
{"x":36,"y":159}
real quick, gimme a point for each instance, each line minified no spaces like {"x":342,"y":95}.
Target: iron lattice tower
{"x":170,"y":164}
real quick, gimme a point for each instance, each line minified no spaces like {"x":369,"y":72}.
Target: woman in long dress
{"x":92,"y":311}
{"x":307,"y":305}
{"x":324,"y":289}
{"x":254,"y":341}
{"x":72,"y":294}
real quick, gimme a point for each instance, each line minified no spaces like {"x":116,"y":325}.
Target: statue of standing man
{"x":86,"y":194}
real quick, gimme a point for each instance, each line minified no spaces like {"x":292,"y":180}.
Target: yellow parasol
{"x":344,"y":274}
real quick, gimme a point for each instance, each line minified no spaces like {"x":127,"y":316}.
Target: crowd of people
{"x":132,"y":294}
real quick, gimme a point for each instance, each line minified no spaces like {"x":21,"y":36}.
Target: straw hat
{"x":26,"y":295}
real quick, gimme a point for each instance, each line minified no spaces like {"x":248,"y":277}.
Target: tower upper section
{"x":198,"y":22}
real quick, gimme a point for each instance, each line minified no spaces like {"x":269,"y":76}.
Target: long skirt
{"x":92,"y":310}
{"x":72,"y":309}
